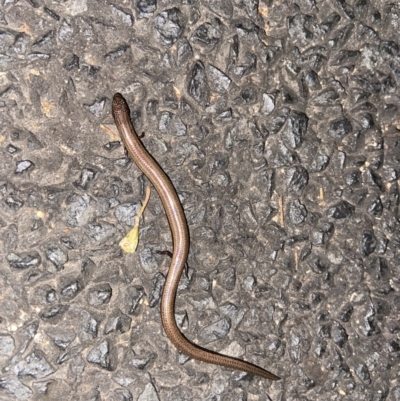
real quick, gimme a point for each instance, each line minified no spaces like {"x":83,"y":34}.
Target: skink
{"x":180,"y":236}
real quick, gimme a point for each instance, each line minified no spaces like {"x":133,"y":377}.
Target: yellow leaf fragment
{"x":129,"y":243}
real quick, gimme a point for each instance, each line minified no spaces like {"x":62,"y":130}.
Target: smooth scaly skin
{"x":180,"y":236}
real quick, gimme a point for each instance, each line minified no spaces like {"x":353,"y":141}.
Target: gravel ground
{"x":278,"y":123}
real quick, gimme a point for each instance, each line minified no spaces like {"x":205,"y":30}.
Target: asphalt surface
{"x":279,"y":125}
